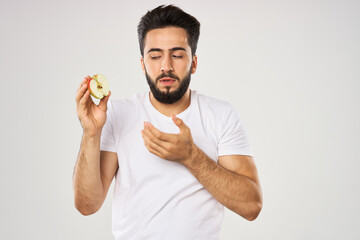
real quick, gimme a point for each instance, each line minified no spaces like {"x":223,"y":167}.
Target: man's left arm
{"x":233,"y":182}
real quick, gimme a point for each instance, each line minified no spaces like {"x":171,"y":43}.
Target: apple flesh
{"x":98,"y":86}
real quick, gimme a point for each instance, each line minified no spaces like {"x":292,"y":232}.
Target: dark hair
{"x":165,"y":16}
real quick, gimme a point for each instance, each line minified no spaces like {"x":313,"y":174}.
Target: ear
{"x":194,"y":64}
{"x":142,"y":64}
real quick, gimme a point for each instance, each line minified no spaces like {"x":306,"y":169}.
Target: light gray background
{"x":290,"y":68}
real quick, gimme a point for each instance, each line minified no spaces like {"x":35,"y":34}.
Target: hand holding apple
{"x":92,"y":117}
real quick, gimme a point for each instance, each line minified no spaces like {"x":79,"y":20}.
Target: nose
{"x":166,"y":64}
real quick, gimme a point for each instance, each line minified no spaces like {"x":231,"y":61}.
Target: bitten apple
{"x":98,"y":86}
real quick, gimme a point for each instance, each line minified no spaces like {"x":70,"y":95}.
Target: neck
{"x":172,"y":109}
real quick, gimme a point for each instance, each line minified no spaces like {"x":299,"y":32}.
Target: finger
{"x":153,"y":151}
{"x":81,"y":93}
{"x":103,"y":102}
{"x":152,"y":146}
{"x":159,"y":142}
{"x":85,"y":80}
{"x":151,"y":141}
{"x":168,"y":137}
{"x":84,"y":99}
{"x":180,"y":123}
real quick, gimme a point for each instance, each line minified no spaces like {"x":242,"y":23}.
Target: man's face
{"x":167,"y":63}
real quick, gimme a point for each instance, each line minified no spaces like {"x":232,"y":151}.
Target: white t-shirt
{"x":159,"y":199}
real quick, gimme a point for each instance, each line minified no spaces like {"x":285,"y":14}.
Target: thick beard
{"x":169,"y":97}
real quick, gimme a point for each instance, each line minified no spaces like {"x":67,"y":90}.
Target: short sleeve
{"x":233,"y":137}
{"x":107,"y":140}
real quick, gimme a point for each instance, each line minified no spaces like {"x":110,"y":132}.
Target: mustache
{"x":170,"y":75}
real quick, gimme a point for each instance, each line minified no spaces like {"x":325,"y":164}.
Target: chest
{"x":138,"y":164}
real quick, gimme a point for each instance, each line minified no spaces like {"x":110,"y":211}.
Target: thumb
{"x":178,"y":122}
{"x":103,"y":102}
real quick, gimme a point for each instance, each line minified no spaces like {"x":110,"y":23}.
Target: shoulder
{"x":123,"y":112}
{"x":219,"y":114}
{"x":125,"y":109}
{"x":213,"y":105}
{"x":128,"y":103}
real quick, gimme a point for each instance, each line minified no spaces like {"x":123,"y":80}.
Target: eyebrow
{"x":161,"y":50}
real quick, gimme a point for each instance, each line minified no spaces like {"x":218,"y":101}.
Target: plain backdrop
{"x":290,"y":68}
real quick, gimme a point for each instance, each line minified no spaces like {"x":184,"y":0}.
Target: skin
{"x":232,"y":180}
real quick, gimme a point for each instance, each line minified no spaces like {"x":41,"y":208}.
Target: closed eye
{"x":177,"y":56}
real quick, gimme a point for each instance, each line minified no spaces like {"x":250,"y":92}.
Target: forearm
{"x":87,"y":184}
{"x":237,"y":192}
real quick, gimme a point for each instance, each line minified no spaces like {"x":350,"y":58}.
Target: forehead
{"x":166,"y":38}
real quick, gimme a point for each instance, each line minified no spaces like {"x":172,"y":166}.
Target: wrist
{"x":194,"y":159}
{"x":91,"y":135}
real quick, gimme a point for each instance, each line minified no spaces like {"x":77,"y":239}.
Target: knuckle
{"x":149,"y":137}
{"x":158,"y":134}
{"x":171,"y":148}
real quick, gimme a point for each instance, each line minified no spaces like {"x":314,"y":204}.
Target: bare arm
{"x":233,"y":182}
{"x":94,"y":169}
{"x":93,"y":174}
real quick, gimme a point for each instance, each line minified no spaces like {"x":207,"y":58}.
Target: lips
{"x":167,"y":81}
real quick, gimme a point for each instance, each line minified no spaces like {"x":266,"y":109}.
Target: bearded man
{"x":178,"y":157}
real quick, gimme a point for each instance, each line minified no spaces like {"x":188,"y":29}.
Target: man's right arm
{"x":93,"y":174}
{"x":94,"y":169}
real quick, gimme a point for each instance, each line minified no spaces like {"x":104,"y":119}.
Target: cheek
{"x":181,"y":65}
{"x":153,"y":66}
{"x":184,"y":70}
{"x":150,"y":69}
